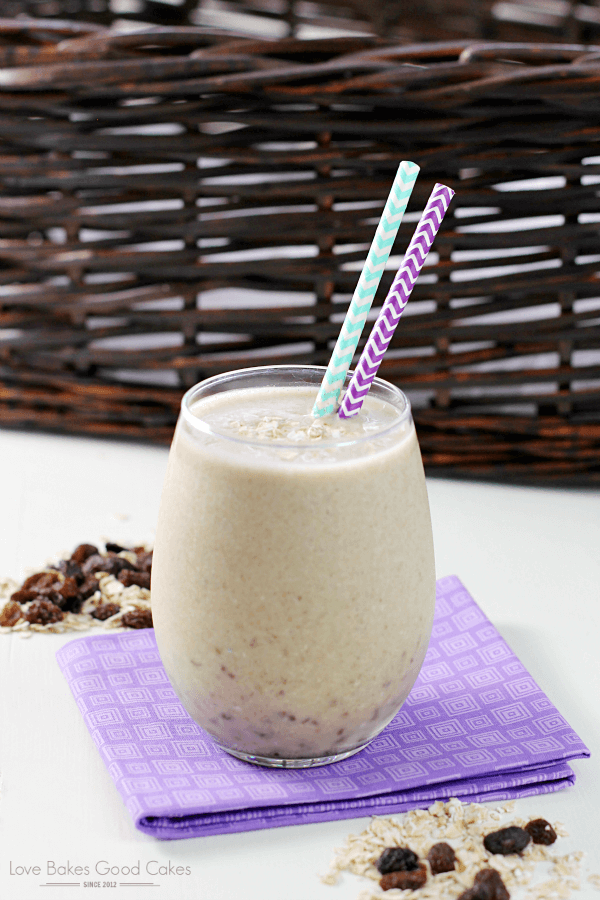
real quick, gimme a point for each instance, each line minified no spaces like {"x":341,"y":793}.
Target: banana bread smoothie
{"x":293,"y":579}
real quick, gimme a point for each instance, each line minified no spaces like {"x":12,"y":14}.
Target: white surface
{"x":530,"y":557}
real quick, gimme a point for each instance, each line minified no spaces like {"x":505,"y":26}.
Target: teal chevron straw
{"x":366,"y":288}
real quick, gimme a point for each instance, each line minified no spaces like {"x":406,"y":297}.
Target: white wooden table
{"x":530,"y":557}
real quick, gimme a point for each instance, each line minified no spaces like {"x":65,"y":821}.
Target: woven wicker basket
{"x":398,"y":20}
{"x":177,"y":202}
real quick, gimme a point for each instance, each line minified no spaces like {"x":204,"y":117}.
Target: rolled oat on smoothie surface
{"x":90,"y":588}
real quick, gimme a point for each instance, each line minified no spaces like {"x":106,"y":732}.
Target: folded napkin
{"x":475,"y":726}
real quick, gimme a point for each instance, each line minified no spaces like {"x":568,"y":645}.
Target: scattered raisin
{"x":39,"y":581}
{"x":57,"y":599}
{"x":89,"y":587}
{"x":111,"y":564}
{"x":73,"y":605}
{"x":405,"y":880}
{"x":22,"y":596}
{"x":441,"y":858}
{"x":508,"y":840}
{"x":11,"y":614}
{"x":137,"y":618}
{"x":64,"y":586}
{"x":141,"y":579}
{"x":43,"y":612}
{"x":73,"y":570}
{"x":69,"y":589}
{"x":119,"y":564}
{"x":94,"y":563}
{"x":68,"y":596}
{"x":83,"y":552}
{"x":397,"y":859}
{"x":105,"y":611}
{"x":488,"y":885}
{"x":51,"y":593}
{"x":541,"y":832}
{"x":144,"y":559}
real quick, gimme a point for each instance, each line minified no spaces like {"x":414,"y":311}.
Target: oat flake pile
{"x":89,"y":589}
{"x":539,"y":872}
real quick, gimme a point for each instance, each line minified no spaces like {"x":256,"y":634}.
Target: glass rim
{"x":200,"y":425}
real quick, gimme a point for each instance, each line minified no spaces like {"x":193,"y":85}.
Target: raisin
{"x":144,"y":559}
{"x":508,"y":840}
{"x":11,"y":614}
{"x":114,"y":548}
{"x":111,"y":564}
{"x":141,"y":579}
{"x":89,"y":587}
{"x":39,"y":581}
{"x":137,"y":618}
{"x":105,"y":611}
{"x":397,"y":859}
{"x":541,"y":832}
{"x":94,"y":563}
{"x":73,"y":570}
{"x":68,"y":596}
{"x":43,"y":612}
{"x":50,"y":593}
{"x":441,"y":858}
{"x":22,"y":596}
{"x":118,"y":564}
{"x":83,"y":552}
{"x":54,"y":597}
{"x":405,"y":880}
{"x":69,"y":589}
{"x":488,"y":885}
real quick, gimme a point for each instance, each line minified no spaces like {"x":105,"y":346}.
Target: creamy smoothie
{"x":293,"y":577}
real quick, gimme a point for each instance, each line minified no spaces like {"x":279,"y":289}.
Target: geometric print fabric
{"x":475,"y":725}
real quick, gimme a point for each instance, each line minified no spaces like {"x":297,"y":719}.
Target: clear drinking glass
{"x":293,"y":578}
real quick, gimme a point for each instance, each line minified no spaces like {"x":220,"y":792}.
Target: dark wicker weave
{"x":257,"y":256}
{"x":400,"y":20}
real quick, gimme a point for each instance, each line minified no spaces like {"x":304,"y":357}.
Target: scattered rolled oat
{"x":89,"y":589}
{"x":566,"y":878}
{"x":462,"y":826}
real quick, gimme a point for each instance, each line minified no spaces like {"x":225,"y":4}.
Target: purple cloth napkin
{"x":475,"y":726}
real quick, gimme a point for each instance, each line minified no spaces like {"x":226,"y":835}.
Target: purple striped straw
{"x":396,"y":300}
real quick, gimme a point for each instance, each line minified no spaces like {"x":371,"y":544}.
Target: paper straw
{"x":364,"y":292}
{"x":396,"y":300}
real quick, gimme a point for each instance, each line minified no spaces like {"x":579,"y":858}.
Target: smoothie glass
{"x":293,"y":578}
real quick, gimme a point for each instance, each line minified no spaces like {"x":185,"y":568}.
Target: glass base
{"x":304,"y":762}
